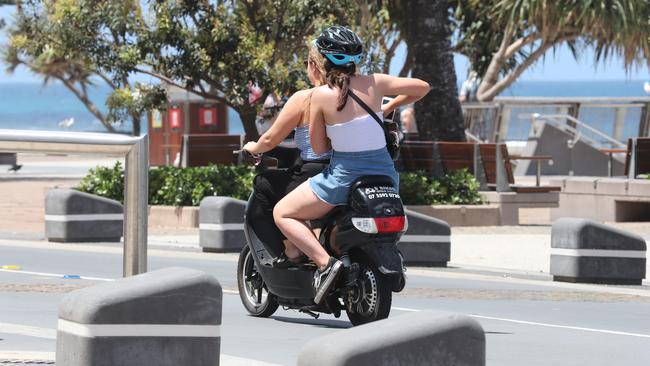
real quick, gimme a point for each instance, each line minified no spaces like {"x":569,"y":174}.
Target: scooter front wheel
{"x":253,"y":292}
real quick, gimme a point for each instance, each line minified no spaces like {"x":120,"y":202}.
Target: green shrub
{"x":461,"y":188}
{"x":457,"y":188}
{"x":175,"y":186}
{"x":418,"y":189}
{"x":188,"y":186}
{"x":104,"y":181}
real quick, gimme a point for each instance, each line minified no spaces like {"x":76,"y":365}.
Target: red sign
{"x":207,"y":116}
{"x":175,"y":116}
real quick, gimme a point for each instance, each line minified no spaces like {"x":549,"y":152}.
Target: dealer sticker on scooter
{"x":381,"y":192}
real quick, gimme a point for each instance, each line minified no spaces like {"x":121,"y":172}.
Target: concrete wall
{"x":461,"y":215}
{"x":603,"y":199}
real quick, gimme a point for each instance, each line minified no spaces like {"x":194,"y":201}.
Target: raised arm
{"x":407,"y":90}
{"x":317,"y":130}
{"x":288,"y":118}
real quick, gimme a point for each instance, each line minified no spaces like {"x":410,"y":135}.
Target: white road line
{"x":640,"y":335}
{"x":403,"y":309}
{"x":59,"y":275}
{"x":225,"y":360}
{"x":26,"y":330}
{"x":27,"y":355}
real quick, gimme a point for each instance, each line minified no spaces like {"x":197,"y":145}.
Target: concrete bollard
{"x":426,"y":241}
{"x":73,"y":216}
{"x":167,"y":317}
{"x":416,"y":339}
{"x":589,"y":252}
{"x":221,"y":224}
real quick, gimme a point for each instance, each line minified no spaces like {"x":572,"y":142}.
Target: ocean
{"x":33,"y":106}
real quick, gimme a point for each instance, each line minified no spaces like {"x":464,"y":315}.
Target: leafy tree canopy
{"x":502,"y":38}
{"x":215,"y":49}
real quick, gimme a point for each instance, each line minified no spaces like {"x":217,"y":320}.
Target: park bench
{"x":441,"y":157}
{"x":500,"y":178}
{"x":492,"y":168}
{"x":206,"y":149}
{"x":637,"y":159}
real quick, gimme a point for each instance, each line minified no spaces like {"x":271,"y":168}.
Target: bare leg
{"x":291,"y":250}
{"x":290,"y":215}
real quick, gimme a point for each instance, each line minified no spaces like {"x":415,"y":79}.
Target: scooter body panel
{"x":292,"y":283}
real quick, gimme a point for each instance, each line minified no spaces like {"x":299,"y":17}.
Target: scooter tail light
{"x":365,"y":224}
{"x":393,"y":224}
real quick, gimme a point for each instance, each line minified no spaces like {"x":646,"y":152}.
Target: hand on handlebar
{"x":256,"y":157}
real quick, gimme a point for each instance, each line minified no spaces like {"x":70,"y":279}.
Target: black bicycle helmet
{"x":339,"y":40}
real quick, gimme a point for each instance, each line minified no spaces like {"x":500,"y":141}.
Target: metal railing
{"x":559,"y":118}
{"x":136,"y":176}
{"x":498,"y":120}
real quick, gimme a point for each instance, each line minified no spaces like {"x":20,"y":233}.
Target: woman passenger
{"x":357,"y":141}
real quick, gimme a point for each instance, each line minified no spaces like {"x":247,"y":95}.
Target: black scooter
{"x":365,"y":233}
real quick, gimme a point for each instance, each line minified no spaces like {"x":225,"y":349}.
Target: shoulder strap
{"x":365,"y":106}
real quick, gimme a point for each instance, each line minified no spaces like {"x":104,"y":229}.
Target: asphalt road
{"x":528,"y":321}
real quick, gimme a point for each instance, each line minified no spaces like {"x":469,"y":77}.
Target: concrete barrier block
{"x":586,"y":185}
{"x":639,"y":187}
{"x":167,"y":317}
{"x":416,"y":339}
{"x":427,"y":241}
{"x":586,"y":251}
{"x":612,"y":186}
{"x":221,"y":224}
{"x":73,"y":216}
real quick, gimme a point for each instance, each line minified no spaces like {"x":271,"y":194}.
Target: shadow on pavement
{"x":327,"y":323}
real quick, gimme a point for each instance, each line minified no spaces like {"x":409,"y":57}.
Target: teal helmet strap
{"x":341,"y":59}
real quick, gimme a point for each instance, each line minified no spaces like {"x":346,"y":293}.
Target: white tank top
{"x":359,"y":134}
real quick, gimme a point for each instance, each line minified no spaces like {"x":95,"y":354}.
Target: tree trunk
{"x":137,"y":128}
{"x":248,"y":114}
{"x":438,"y":114}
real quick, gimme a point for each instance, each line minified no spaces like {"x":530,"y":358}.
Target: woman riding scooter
{"x":271,"y":185}
{"x":357,"y":141}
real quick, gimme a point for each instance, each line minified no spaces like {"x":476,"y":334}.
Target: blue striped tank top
{"x":302,"y":141}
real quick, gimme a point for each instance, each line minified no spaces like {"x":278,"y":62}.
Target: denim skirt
{"x":332,"y":185}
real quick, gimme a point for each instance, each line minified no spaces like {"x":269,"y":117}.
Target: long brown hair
{"x":316,"y":59}
{"x":339,"y":77}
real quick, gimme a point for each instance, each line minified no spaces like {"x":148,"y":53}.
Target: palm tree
{"x":518,"y":33}
{"x":438,"y":114}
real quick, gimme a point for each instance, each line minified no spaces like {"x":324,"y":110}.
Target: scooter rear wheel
{"x":253,"y":292}
{"x":371,"y":297}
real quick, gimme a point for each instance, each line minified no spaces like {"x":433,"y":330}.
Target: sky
{"x":557,"y":66}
